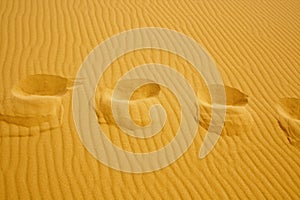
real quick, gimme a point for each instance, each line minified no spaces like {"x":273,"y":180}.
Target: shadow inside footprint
{"x":289,"y":119}
{"x":235,"y":97}
{"x":35,"y":100}
{"x":238,"y":120}
{"x":42,"y":85}
{"x":145,"y":91}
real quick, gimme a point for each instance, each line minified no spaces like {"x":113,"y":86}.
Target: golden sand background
{"x":256,"y":46}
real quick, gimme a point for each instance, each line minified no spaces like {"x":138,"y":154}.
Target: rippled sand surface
{"x":256,"y":48}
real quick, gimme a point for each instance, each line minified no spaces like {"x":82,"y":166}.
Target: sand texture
{"x":256,"y":48}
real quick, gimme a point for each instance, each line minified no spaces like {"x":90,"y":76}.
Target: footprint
{"x":289,"y":119}
{"x":35,"y":100}
{"x":140,"y":100}
{"x":238,"y":120}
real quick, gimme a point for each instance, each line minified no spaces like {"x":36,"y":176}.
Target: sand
{"x":256,"y":48}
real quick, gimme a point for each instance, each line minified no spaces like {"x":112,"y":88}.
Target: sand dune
{"x":256,"y":48}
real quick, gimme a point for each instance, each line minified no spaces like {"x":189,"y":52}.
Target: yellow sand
{"x":256,"y":47}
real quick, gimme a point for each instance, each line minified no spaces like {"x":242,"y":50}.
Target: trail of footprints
{"x":238,"y":119}
{"x":37,"y":99}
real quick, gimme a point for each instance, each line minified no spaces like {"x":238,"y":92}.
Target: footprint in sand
{"x":289,"y":119}
{"x":35,"y":100}
{"x":141,"y":97}
{"x":238,"y":120}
